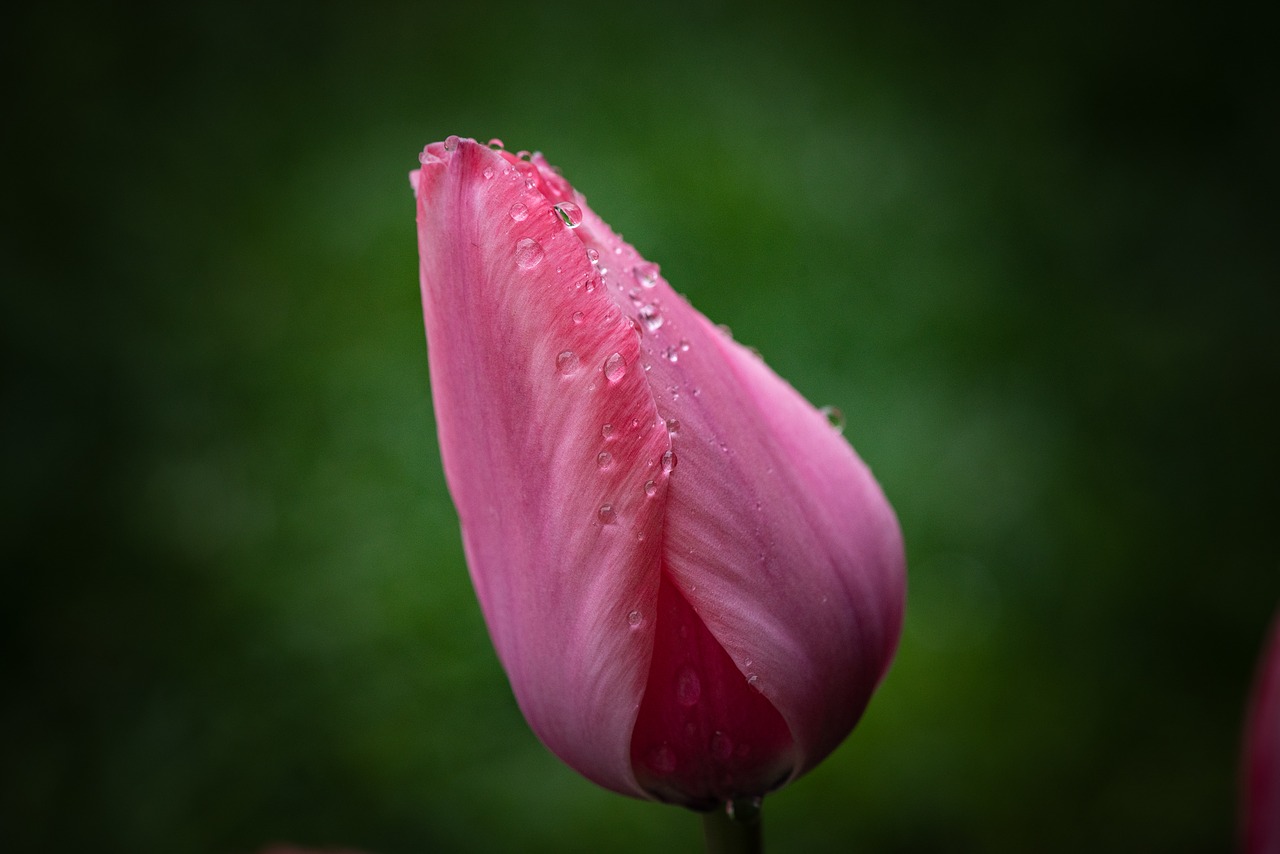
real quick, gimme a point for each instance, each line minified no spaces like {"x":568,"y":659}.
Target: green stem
{"x":735,"y":829}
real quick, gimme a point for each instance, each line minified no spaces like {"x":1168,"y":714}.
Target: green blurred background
{"x":1030,"y":250}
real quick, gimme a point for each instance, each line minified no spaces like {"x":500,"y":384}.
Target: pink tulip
{"x":1261,"y":815}
{"x":693,"y":582}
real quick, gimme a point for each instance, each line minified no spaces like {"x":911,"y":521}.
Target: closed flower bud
{"x":692,"y":581}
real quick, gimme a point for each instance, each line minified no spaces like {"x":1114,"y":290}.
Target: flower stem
{"x":734,"y":829}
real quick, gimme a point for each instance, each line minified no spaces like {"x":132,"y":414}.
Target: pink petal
{"x":549,"y":435}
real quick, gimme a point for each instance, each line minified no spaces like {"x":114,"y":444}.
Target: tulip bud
{"x":692,"y":581}
{"x":1260,"y":826}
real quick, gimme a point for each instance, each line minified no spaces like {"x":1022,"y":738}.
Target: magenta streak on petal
{"x":562,"y":551}
{"x":1260,"y":806}
{"x":704,"y":735}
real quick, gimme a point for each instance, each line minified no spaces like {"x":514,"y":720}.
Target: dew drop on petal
{"x":684,"y":345}
{"x":668,"y":461}
{"x":496,"y":144}
{"x":650,"y":488}
{"x":604,"y":459}
{"x":753,"y":680}
{"x":607,"y":514}
{"x":647,"y":274}
{"x":569,"y":213}
{"x":488,"y":172}
{"x":606,"y":430}
{"x":519,"y":212}
{"x":567,"y":362}
{"x":577,"y":317}
{"x":688,"y":687}
{"x":834,"y":417}
{"x":615,"y":367}
{"x":593,"y":256}
{"x":724,"y":328}
{"x":451,"y":143}
{"x":671,"y":354}
{"x":528,"y":253}
{"x":651,"y":318}
{"x":673,"y":426}
{"x":634,"y":619}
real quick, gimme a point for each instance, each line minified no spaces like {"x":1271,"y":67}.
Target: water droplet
{"x":652,"y":319}
{"x":748,"y":806}
{"x":753,"y":680}
{"x":606,"y":430}
{"x":570,"y":214}
{"x":523,"y":155}
{"x":662,"y":759}
{"x":519,"y":212}
{"x":615,"y":367}
{"x":721,"y":746}
{"x":528,"y":253}
{"x":834,"y":417}
{"x":427,"y":157}
{"x":577,"y":317}
{"x":671,"y":354}
{"x":593,"y":256}
{"x":604,"y":459}
{"x":675,"y":392}
{"x":451,"y":143}
{"x":567,"y":362}
{"x":728,"y":333}
{"x":688,"y":687}
{"x":488,"y":172}
{"x":647,"y":274}
{"x":634,"y":619}
{"x":684,"y":345}
{"x":673,"y":426}
{"x":650,"y":488}
{"x":607,"y":514}
{"x":668,"y":462}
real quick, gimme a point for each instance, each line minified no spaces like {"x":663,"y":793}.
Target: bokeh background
{"x":1029,"y":249}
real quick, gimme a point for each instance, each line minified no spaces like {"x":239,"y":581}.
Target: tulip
{"x":1260,"y":826}
{"x":692,"y":581}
